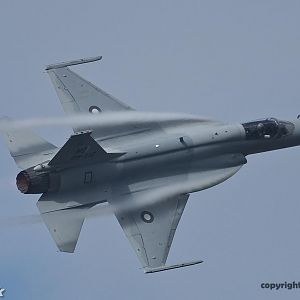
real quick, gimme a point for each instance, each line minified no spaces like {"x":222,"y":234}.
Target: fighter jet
{"x":145,"y":170}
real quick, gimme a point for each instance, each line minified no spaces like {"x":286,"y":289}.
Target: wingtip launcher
{"x":73,"y":63}
{"x":165,"y":268}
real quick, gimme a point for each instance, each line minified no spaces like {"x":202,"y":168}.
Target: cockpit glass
{"x":267,"y":129}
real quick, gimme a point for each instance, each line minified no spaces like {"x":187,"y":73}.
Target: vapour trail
{"x":7,"y":222}
{"x":142,"y":200}
{"x":108,"y":119}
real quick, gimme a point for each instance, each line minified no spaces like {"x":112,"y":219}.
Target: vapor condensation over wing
{"x":15,"y":221}
{"x":103,"y":120}
{"x":101,"y":210}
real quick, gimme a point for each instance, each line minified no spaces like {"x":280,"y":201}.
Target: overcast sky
{"x":229,"y":60}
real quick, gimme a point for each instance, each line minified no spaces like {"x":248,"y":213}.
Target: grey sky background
{"x":229,"y":60}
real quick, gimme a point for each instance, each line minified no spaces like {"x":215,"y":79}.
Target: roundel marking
{"x":147,"y":216}
{"x":94,"y":109}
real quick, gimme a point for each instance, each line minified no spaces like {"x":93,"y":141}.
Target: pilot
{"x":260,"y":129}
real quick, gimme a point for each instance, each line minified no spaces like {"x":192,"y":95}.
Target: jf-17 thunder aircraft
{"x":144,"y":170}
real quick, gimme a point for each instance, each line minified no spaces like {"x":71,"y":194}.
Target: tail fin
{"x":27,"y":148}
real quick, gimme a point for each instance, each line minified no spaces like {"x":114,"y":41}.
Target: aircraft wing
{"x":78,"y":95}
{"x":150,"y":211}
{"x":151,"y":230}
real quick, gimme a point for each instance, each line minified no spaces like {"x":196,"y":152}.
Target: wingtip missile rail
{"x":73,"y":62}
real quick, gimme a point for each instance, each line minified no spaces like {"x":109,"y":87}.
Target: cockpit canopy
{"x":267,"y":129}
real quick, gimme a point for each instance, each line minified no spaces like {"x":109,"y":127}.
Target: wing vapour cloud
{"x":113,"y":119}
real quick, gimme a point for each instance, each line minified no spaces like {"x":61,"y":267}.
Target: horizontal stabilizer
{"x":65,"y":224}
{"x":81,"y":148}
{"x":26,"y":147}
{"x":165,"y":268}
{"x":64,"y":228}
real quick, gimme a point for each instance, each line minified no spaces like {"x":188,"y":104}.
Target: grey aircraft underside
{"x":145,"y":171}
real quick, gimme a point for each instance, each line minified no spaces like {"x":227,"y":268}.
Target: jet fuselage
{"x":157,"y":160}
